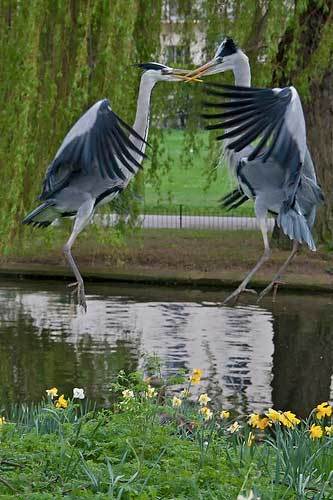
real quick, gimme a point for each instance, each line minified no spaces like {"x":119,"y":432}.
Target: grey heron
{"x":265,"y":148}
{"x":95,"y":162}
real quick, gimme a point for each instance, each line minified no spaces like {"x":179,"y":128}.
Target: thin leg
{"x":276,"y":280}
{"x":242,"y":287}
{"x":83,"y":218}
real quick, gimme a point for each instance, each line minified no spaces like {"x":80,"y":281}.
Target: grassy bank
{"x":157,"y":444}
{"x":222,"y":256}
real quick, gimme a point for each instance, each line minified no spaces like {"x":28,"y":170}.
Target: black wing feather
{"x":98,"y":142}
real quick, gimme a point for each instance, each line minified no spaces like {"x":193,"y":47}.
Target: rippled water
{"x":253,"y":357}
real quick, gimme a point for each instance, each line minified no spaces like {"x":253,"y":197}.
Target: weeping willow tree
{"x":58,"y":57}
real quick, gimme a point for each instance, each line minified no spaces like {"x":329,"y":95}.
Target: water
{"x":253,"y":357}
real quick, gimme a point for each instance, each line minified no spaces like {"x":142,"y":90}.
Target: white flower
{"x":128,"y":394}
{"x":78,"y":393}
{"x":204,"y":399}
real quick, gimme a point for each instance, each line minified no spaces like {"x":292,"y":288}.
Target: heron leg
{"x":276,"y":280}
{"x":266,"y":255}
{"x":83,"y":217}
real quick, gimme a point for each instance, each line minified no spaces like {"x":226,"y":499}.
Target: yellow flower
{"x":128,"y":394}
{"x":323,"y":410}
{"x":2,"y":420}
{"x":250,"y":439}
{"x":289,"y":419}
{"x":53,"y":392}
{"x":224,"y":414}
{"x":329,"y":430}
{"x":204,"y":399}
{"x":234,"y":427}
{"x":185,"y":393}
{"x":259,"y":422}
{"x":273,"y":415}
{"x":316,"y":432}
{"x":151,"y":392}
{"x":196,"y":376}
{"x":206,"y":413}
{"x":61,"y":402}
{"x":176,"y":402}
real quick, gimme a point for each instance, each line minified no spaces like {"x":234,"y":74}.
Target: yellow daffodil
{"x":323,"y":410}
{"x":185,"y":393}
{"x":250,"y":439}
{"x":234,"y":427}
{"x":61,"y":402}
{"x":53,"y":392}
{"x":196,"y":376}
{"x":316,"y":432}
{"x":204,"y":399}
{"x":259,"y":422}
{"x":289,"y":419}
{"x":206,"y":413}
{"x":329,"y":430}
{"x":273,"y":415}
{"x":128,"y":394}
{"x":2,"y":420}
{"x":150,"y":392}
{"x":224,"y":414}
{"x":176,"y":402}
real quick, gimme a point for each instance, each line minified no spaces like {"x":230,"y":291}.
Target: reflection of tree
{"x":32,"y":360}
{"x":303,"y":357}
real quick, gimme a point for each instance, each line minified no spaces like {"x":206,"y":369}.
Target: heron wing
{"x":98,"y":143}
{"x":271,"y":118}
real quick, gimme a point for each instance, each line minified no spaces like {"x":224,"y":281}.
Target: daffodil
{"x":185,"y":393}
{"x":250,"y":439}
{"x":273,"y":415}
{"x":128,"y":394}
{"x":316,"y":432}
{"x":150,"y":392}
{"x":53,"y":392}
{"x":224,"y":414}
{"x":259,"y":422}
{"x":329,"y":430}
{"x":61,"y":402}
{"x":78,"y":393}
{"x":196,"y":376}
{"x":206,"y":413}
{"x":323,"y":410}
{"x":176,"y":402}
{"x":2,"y":420}
{"x":204,"y":399}
{"x":234,"y":427}
{"x":289,"y":419}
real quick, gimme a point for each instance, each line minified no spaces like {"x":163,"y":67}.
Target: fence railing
{"x":189,"y":218}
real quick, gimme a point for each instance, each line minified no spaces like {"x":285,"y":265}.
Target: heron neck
{"x":141,"y":123}
{"x":242,"y":73}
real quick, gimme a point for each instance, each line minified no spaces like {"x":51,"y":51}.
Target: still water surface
{"x":253,"y":357}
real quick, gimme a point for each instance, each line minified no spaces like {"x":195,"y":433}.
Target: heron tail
{"x":42,"y":216}
{"x":294,"y":224}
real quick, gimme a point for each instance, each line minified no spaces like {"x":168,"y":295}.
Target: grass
{"x":150,"y":446}
{"x":185,"y":182}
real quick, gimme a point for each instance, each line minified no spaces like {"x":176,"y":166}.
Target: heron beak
{"x":182,"y":74}
{"x":193,"y":75}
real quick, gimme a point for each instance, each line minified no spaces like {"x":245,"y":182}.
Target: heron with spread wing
{"x":97,"y":159}
{"x":265,"y":147}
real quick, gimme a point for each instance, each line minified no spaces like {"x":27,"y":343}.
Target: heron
{"x":264,"y":145}
{"x":97,"y":159}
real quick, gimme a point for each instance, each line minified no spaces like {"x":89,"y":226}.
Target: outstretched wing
{"x":97,"y":143}
{"x":271,"y":117}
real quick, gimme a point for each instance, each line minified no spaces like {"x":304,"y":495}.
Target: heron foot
{"x":78,"y":288}
{"x":235,"y":295}
{"x":273,"y":285}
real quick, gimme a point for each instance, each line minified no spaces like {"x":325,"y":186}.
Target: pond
{"x":254,"y":357}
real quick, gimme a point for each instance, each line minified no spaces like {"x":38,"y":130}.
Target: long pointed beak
{"x":192,"y":75}
{"x":183,"y":74}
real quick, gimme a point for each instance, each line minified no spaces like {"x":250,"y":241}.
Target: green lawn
{"x":186,"y":182}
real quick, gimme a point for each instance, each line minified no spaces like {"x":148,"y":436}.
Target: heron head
{"x":161,"y":72}
{"x":226,"y":57}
